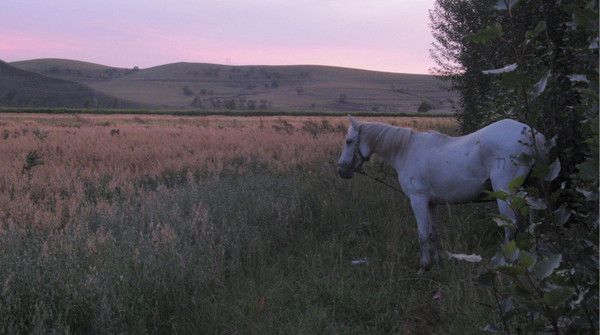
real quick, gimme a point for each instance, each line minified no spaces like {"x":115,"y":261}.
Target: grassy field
{"x":162,"y":224}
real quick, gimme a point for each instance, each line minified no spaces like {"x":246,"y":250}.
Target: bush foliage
{"x":537,"y":62}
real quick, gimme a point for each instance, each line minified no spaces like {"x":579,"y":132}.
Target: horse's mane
{"x":388,"y":141}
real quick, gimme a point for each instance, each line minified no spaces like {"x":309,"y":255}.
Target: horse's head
{"x":355,"y":151}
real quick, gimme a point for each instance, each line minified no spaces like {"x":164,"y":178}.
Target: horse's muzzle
{"x":345,"y":172}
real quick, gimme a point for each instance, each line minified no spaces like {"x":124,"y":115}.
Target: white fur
{"x":434,"y":168}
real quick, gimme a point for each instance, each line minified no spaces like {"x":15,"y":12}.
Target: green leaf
{"x":498,"y":195}
{"x":540,"y":86}
{"x":501,"y":222}
{"x":525,"y":159}
{"x":584,"y":16}
{"x":514,"y":185}
{"x":558,"y":296}
{"x":526,"y":259}
{"x":513,"y":80}
{"x":486,"y":34}
{"x":540,"y":170}
{"x":521,"y":294}
{"x":497,"y":260}
{"x":510,"y":270}
{"x":505,"y":69}
{"x":588,"y":170}
{"x":505,"y":4}
{"x":535,"y":326}
{"x":510,"y":250}
{"x":541,"y":26}
{"x":546,"y":267}
{"x":524,"y":240}
{"x":506,"y":305}
{"x":519,"y":204}
{"x":553,"y":171}
{"x":535,"y":203}
{"x":562,"y":214}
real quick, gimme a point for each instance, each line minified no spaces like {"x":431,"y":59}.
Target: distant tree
{"x":215,"y":102}
{"x":299,"y":90}
{"x":187,"y":91}
{"x":230,"y":104}
{"x":251,"y":104}
{"x":9,"y":97}
{"x":424,"y":107}
{"x":196,"y":103}
{"x":342,"y":98}
{"x":242,"y":103}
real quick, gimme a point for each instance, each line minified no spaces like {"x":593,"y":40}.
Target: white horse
{"x":434,"y":168}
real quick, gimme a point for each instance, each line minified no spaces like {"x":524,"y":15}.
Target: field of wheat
{"x":217,"y":224}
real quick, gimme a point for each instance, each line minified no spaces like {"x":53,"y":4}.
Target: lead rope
{"x":361,"y":172}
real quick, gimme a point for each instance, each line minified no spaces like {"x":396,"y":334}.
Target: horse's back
{"x":510,"y":138}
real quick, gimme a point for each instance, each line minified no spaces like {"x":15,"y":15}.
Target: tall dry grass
{"x":51,"y":163}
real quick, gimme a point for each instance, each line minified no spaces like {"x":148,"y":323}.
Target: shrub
{"x":424,"y":107}
{"x":187,"y":91}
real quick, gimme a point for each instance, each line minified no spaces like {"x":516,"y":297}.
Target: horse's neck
{"x":388,"y":142}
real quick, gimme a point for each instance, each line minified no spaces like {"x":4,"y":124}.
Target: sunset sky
{"x":386,"y":35}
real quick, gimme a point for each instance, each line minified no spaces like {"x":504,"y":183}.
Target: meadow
{"x":219,"y":224}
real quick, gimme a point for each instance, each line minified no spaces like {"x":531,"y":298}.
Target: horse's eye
{"x":348,"y":141}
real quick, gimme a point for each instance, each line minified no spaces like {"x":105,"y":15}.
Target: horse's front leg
{"x":420,"y":207}
{"x":434,"y":238}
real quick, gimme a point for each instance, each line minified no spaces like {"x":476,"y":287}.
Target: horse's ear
{"x":353,"y":121}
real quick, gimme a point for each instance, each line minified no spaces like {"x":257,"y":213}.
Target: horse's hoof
{"x":422,"y":271}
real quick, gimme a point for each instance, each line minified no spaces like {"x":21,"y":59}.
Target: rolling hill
{"x":72,"y":70}
{"x":20,"y":88}
{"x":285,"y":88}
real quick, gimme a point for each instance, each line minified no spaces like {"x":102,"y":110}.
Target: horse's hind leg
{"x":500,"y":179}
{"x":506,"y":211}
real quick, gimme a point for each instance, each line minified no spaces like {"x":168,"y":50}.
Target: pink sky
{"x":386,"y":35}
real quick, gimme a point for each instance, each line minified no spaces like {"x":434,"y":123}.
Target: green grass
{"x":268,"y":253}
{"x":209,"y":112}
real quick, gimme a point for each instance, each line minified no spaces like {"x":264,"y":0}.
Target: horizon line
{"x":208,"y":63}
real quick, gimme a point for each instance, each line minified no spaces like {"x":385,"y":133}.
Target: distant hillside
{"x":21,"y":88}
{"x":72,"y":70}
{"x":285,"y":88}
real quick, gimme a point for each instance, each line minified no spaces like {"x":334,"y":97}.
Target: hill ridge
{"x":21,"y":88}
{"x":283,"y":87}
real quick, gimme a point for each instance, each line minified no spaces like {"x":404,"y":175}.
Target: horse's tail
{"x":541,"y":151}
